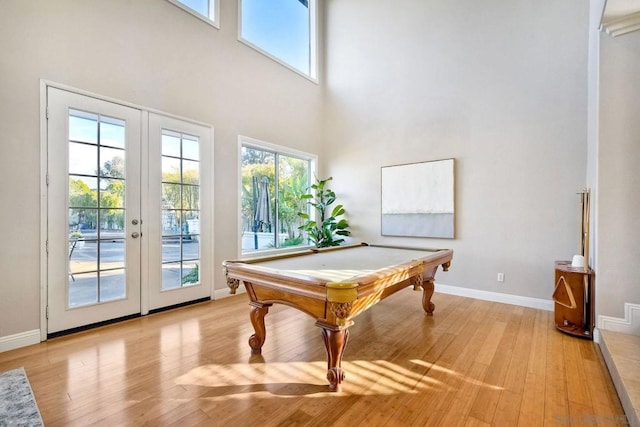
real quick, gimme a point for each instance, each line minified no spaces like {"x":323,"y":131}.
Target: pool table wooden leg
{"x":257,"y":320}
{"x":427,"y":292}
{"x":335,"y":341}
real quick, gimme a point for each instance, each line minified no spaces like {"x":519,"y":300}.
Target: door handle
{"x":135,"y":234}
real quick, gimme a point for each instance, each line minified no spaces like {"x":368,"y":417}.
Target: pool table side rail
{"x":314,"y":287}
{"x":301,"y":252}
{"x":308,"y":286}
{"x":313,"y":250}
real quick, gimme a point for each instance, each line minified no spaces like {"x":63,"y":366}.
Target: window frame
{"x":214,"y":6}
{"x":313,"y":43}
{"x":245,"y":141}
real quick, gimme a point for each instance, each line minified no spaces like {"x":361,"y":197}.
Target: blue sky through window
{"x":200,"y":6}
{"x":279,"y":27}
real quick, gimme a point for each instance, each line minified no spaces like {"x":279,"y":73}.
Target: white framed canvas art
{"x":418,"y":199}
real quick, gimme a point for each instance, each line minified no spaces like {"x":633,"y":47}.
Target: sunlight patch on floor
{"x":456,"y":374}
{"x":363,"y":377}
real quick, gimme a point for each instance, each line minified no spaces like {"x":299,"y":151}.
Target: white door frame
{"x":207,"y":251}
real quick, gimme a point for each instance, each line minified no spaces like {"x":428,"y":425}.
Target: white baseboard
{"x":538,"y":303}
{"x":630,"y":324}
{"x":224,"y":293}
{"x":23,"y":339}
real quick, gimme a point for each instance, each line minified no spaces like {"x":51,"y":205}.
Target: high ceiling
{"x":618,"y":8}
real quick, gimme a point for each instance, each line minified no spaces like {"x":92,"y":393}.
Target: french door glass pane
{"x":171,"y":223}
{"x":190,"y":196}
{"x":83,"y":193}
{"x":83,"y":158}
{"x":112,"y":162}
{"x":170,"y":143}
{"x":111,"y":223}
{"x":190,"y":272}
{"x":171,"y":196}
{"x":97,"y":186}
{"x":83,"y":256}
{"x":83,"y":127}
{"x":171,"y":276}
{"x":112,"y":285}
{"x":191,"y":172}
{"x":170,"y":169}
{"x":190,"y":148}
{"x":111,"y":254}
{"x":112,"y":132}
{"x":171,"y":249}
{"x":191,"y":230}
{"x":83,"y":289}
{"x":180,"y":209}
{"x":112,"y":194}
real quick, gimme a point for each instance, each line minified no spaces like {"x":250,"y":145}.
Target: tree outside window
{"x":273,"y":183}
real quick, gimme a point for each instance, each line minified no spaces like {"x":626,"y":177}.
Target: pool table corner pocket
{"x":340,"y":298}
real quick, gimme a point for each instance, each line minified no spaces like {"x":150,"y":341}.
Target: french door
{"x":180,"y":206}
{"x":94,"y":225}
{"x":129,"y":211}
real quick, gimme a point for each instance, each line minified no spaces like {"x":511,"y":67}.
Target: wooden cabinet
{"x":573,"y":300}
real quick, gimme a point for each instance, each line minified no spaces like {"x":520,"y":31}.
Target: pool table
{"x":334,"y":285}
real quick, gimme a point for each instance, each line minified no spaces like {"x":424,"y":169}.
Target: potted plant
{"x":324,"y":231}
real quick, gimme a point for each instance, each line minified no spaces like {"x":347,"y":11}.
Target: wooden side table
{"x":573,"y":300}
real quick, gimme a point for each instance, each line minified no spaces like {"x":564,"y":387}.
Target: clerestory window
{"x":284,"y":30}
{"x":207,"y":10}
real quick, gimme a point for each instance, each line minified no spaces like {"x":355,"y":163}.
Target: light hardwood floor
{"x":473,"y":363}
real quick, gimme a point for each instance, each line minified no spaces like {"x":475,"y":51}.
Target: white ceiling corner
{"x":621,"y":17}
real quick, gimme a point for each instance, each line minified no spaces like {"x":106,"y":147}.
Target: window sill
{"x":214,"y":23}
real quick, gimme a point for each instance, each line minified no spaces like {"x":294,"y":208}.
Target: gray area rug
{"x":17,"y":404}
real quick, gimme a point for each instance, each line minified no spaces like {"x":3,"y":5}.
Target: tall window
{"x":284,"y":30}
{"x":273,"y":180}
{"x":180,"y":209}
{"x":207,"y":9}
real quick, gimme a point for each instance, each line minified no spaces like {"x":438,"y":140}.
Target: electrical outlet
{"x":500,"y":277}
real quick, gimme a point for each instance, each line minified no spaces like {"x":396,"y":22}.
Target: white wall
{"x":150,"y":53}
{"x":618,"y":177}
{"x":501,"y":86}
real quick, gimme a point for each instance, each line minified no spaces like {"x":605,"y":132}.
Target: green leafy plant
{"x":192,"y":277}
{"x":324,"y":231}
{"x":296,"y":241}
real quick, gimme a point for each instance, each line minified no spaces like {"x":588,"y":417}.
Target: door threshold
{"x":91,"y":326}
{"x":182,"y":304}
